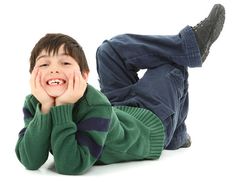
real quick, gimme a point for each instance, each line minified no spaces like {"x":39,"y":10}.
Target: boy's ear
{"x":85,"y":75}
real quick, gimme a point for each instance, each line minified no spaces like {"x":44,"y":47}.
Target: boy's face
{"x":55,"y":71}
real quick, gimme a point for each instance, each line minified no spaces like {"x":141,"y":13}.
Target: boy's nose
{"x":55,"y":71}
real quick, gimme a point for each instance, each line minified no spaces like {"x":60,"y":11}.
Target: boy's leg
{"x":180,"y":137}
{"x":119,"y":59}
{"x":163,"y":89}
{"x":116,"y":81}
{"x":155,"y":50}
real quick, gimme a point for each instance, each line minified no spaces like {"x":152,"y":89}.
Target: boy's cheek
{"x":76,"y":70}
{"x":43,"y":84}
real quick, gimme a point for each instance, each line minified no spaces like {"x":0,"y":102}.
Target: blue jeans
{"x":163,"y":89}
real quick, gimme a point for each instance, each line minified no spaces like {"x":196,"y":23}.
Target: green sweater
{"x":86,"y":133}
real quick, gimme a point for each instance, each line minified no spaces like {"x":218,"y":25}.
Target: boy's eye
{"x":66,"y":63}
{"x":43,"y":65}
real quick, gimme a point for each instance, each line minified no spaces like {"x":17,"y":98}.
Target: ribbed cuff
{"x":156,"y":128}
{"x":62,"y":114}
{"x":40,"y":120}
{"x":33,"y":100}
{"x":157,"y":136}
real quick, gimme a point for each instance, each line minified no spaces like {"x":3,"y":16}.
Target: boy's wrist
{"x":62,"y":114}
{"x":45,"y":108}
{"x":60,"y":102}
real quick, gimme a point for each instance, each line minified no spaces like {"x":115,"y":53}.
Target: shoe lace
{"x":199,"y":25}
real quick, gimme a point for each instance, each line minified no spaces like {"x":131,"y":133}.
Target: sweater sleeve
{"x":33,"y":145}
{"x":77,"y":145}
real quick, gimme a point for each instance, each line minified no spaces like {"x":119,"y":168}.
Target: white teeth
{"x":55,"y":82}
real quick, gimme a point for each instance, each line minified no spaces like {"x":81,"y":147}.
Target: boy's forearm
{"x":74,"y":150}
{"x":69,"y":156}
{"x":64,"y":144}
{"x":34,"y":143}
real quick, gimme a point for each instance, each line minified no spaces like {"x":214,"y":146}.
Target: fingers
{"x":71,"y":82}
{"x":35,"y":80}
{"x":77,"y":79}
{"x":38,"y":80}
{"x":34,"y":75}
{"x":75,"y":90}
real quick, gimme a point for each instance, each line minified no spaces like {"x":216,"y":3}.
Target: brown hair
{"x":51,"y":44}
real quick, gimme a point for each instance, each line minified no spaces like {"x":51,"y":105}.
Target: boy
{"x":76,"y":123}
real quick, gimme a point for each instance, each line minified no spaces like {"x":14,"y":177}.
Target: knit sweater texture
{"x":86,"y":133}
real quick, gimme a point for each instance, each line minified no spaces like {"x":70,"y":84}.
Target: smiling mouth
{"x":56,"y":82}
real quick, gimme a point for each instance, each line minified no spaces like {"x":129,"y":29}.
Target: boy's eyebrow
{"x":43,"y":56}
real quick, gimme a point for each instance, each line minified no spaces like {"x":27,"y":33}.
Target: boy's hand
{"x":37,"y":90}
{"x":76,"y":88}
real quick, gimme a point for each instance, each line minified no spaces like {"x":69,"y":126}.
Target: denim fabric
{"x":163,"y":89}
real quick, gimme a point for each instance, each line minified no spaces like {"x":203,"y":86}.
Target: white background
{"x":211,"y":116}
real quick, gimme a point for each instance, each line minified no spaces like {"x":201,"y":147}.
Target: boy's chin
{"x":55,"y":94}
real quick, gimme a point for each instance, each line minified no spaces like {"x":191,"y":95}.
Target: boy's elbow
{"x":71,"y":170}
{"x":30,"y":165}
{"x":29,"y":160}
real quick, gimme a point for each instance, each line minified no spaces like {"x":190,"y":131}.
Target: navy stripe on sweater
{"x":27,"y":113}
{"x":94,"y":148}
{"x":21,"y":133}
{"x":83,"y":138}
{"x":97,"y":124}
